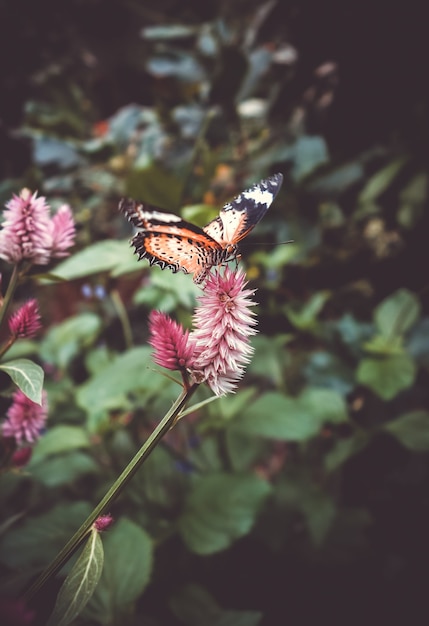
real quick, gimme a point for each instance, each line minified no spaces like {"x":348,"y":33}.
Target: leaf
{"x":411,"y":430}
{"x":59,"y":439}
{"x":80,"y":584}
{"x":316,"y":505}
{"x":344,"y":449}
{"x":62,"y":470}
{"x":305,"y":317}
{"x":66,"y":340}
{"x":387,"y":376}
{"x":102,"y":256}
{"x":309,"y":153}
{"x":38,"y":539}
{"x":398,"y":313}
{"x":381,"y":180}
{"x":127,"y":568}
{"x":276,"y":416}
{"x":129,"y":372}
{"x":193,"y":605}
{"x":155,"y":185}
{"x":220,"y":509}
{"x":27,"y":376}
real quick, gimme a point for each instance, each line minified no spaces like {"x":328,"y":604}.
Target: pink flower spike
{"x":26,"y":230}
{"x":25,"y":419}
{"x":63,"y":231}
{"x":173,"y":347}
{"x":103,"y":522}
{"x":26,"y":321}
{"x":224,"y":323}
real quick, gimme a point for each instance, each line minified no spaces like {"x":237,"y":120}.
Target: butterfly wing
{"x":238,"y":217}
{"x":170,"y":242}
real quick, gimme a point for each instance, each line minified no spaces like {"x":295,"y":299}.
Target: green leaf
{"x":62,"y":470}
{"x":80,"y":584}
{"x":398,"y":313}
{"x":220,"y":509}
{"x":344,"y":449}
{"x":36,"y":541}
{"x":155,"y":185}
{"x":387,"y":376}
{"x":412,"y":430}
{"x":304,"y":317}
{"x":27,"y":376}
{"x":380,"y":181}
{"x":129,"y":372}
{"x":276,"y":416}
{"x":102,"y":256}
{"x":61,"y":439}
{"x":316,"y":505}
{"x":194,"y":606}
{"x":126,"y":572}
{"x":270,"y":357}
{"x":385,"y":346}
{"x":68,"y":339}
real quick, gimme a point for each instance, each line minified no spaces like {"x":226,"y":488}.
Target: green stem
{"x":123,"y":317}
{"x":9,"y":292}
{"x":118,"y":486}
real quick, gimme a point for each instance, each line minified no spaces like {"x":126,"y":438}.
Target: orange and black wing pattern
{"x":166,"y":240}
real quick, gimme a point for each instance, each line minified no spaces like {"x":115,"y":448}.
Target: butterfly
{"x":165,"y":239}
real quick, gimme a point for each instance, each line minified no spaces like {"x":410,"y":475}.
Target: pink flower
{"x":26,"y":321}
{"x":103,"y":522}
{"x":224,"y":323}
{"x":25,"y":419}
{"x":173,"y":347}
{"x":29,"y":233}
{"x":26,"y":229}
{"x":63,"y":231}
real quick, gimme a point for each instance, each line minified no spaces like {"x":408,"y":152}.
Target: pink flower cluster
{"x":26,"y":321}
{"x":30,"y":233}
{"x":217,"y":351}
{"x":25,"y":419}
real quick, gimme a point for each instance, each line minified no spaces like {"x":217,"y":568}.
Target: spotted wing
{"x":170,"y":242}
{"x":238,"y":217}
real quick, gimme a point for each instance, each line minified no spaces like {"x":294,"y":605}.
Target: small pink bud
{"x":103,"y":522}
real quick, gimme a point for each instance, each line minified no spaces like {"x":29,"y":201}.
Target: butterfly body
{"x":170,"y":242}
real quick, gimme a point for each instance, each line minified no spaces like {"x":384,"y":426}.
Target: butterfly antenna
{"x":264,"y":243}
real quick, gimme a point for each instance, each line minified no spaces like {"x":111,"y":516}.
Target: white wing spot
{"x":259,"y":196}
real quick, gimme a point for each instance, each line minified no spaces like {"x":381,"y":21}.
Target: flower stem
{"x":118,"y":486}
{"x":9,"y":292}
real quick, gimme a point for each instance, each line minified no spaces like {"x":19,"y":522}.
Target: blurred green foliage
{"x":292,"y":499}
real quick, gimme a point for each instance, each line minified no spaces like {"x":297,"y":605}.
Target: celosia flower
{"x":26,"y":321}
{"x":63,"y":231}
{"x":173,"y":347}
{"x":25,"y":419}
{"x":26,"y":232}
{"x":224,"y":323}
{"x":29,"y":233}
{"x":103,"y":522}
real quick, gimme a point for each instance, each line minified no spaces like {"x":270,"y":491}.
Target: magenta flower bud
{"x":25,"y":419}
{"x":103,"y":522}
{"x":173,"y":347}
{"x":25,"y":323}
